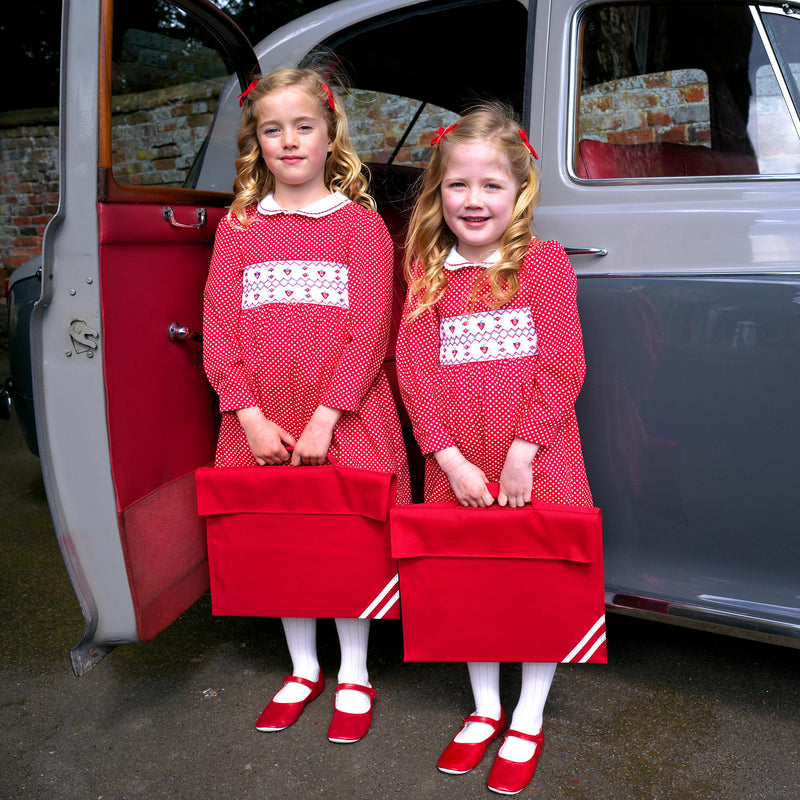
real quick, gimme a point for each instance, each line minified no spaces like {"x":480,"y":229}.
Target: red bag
{"x":299,"y":541}
{"x":501,"y":584}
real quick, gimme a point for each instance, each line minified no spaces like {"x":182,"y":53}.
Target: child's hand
{"x":315,"y":440}
{"x":516,"y":479}
{"x":467,"y":481}
{"x":265,"y":439}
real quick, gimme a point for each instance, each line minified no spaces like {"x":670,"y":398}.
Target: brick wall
{"x":156,"y":136}
{"x":28,"y":185}
{"x":660,"y":107}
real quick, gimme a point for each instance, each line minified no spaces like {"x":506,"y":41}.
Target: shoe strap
{"x":528,"y":737}
{"x":495,"y":723}
{"x":357,"y":687}
{"x":303,"y":681}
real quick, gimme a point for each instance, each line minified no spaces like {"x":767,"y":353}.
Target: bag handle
{"x":493,"y":487}
{"x":332,"y":459}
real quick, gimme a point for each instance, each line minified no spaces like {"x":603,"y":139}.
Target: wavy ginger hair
{"x":429,"y":240}
{"x":343,"y":168}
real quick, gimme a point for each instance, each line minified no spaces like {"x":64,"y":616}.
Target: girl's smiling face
{"x":293,"y":136}
{"x":478,"y":198}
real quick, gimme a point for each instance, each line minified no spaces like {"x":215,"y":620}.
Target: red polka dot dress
{"x":296,"y":315}
{"x":475,"y":377}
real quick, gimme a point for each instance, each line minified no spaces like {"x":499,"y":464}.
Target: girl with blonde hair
{"x":490,"y":363}
{"x":296,"y":323}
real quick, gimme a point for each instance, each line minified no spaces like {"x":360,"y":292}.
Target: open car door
{"x":124,"y":413}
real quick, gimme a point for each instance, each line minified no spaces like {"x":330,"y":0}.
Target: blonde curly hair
{"x":344,"y":171}
{"x":429,"y":240}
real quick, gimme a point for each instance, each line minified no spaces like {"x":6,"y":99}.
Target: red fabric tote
{"x":501,"y":584}
{"x":299,"y":541}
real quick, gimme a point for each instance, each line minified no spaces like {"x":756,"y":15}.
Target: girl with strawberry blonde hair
{"x":490,"y":363}
{"x":296,"y":324}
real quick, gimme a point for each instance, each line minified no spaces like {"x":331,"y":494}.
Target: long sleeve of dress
{"x":417,"y":356}
{"x":223,"y":360}
{"x":559,"y":366}
{"x":369,"y":288}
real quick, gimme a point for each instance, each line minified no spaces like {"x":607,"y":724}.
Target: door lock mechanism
{"x":84,"y":338}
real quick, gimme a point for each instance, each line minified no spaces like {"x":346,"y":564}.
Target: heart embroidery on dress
{"x":325,"y":295}
{"x":484,"y":350}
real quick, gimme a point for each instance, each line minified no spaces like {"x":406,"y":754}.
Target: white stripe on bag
{"x":379,"y":599}
{"x":395,"y":597}
{"x":590,"y":651}
{"x":582,"y":643}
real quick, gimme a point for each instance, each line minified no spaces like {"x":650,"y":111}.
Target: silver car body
{"x":690,"y":284}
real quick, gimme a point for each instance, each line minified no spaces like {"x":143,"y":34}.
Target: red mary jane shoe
{"x":461,"y":757}
{"x":277,"y":716}
{"x":346,"y":727}
{"x":511,"y":777}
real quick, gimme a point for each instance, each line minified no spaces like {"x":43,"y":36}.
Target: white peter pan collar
{"x":320,"y":208}
{"x":456,"y":261}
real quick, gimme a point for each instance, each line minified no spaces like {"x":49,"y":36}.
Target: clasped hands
{"x":268,"y":441}
{"x":468,"y":481}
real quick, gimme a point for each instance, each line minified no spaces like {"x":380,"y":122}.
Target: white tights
{"x":301,"y":639}
{"x":485,"y":679}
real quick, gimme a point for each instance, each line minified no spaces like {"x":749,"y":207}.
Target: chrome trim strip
{"x":716,"y":621}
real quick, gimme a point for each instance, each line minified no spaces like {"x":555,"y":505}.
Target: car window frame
{"x":575,"y":55}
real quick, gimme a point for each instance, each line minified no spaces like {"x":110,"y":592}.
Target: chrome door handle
{"x":585,"y":251}
{"x":180,"y":333}
{"x":168,"y":213}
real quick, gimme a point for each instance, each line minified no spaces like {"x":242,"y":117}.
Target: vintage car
{"x":669,"y":139}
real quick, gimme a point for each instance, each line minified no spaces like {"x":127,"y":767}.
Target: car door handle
{"x":585,"y":251}
{"x":168,"y":213}
{"x":180,"y":333}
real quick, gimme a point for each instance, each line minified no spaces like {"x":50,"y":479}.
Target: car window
{"x":167,"y":74}
{"x":407,"y":80}
{"x":673,"y":91}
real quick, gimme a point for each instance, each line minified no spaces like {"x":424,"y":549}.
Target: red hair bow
{"x":524,"y":137}
{"x":441,"y":133}
{"x":247,"y":91}
{"x":330,"y":96}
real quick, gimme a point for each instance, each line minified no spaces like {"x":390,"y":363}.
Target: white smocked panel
{"x":487,"y":336}
{"x":321,"y":283}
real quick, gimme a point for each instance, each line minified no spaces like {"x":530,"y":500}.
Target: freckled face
{"x":293,"y":136}
{"x":478,"y":198}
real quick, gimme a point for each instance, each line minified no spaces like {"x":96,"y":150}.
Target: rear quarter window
{"x":672,"y":91}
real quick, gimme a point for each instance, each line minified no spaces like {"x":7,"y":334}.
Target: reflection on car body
{"x":670,"y":156}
